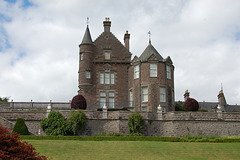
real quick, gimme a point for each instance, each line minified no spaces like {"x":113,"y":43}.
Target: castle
{"x":108,"y":77}
{"x":110,"y":81}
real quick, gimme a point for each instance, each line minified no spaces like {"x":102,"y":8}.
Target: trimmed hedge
{"x":131,"y":138}
{"x":20,"y":127}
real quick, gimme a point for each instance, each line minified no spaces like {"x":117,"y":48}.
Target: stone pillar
{"x":31,"y":104}
{"x":49,"y":109}
{"x":159,"y":112}
{"x":105,"y":114}
{"x":219,"y":111}
{"x":186,"y":95}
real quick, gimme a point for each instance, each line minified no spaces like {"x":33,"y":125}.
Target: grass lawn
{"x":140,"y":150}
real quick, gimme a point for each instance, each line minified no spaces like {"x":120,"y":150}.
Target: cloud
{"x":39,"y":43}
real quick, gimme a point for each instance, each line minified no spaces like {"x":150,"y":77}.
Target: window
{"x":153,"y":70}
{"x":88,"y":75}
{"x":111,"y":99}
{"x":107,"y":78}
{"x":130,"y":99}
{"x":81,"y":56}
{"x":112,"y":78}
{"x":168,"y":72}
{"x":107,"y":55}
{"x":136,"y":71}
{"x":173,"y":102}
{"x":144,"y":94}
{"x":102,"y":99}
{"x":107,"y":99}
{"x":162,"y":94}
{"x":101,"y":78}
{"x":144,"y":108}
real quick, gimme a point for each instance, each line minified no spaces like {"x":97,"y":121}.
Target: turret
{"x":85,"y":62}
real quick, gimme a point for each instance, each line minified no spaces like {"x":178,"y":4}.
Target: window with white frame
{"x":144,"y":108}
{"x":88,"y":75}
{"x":102,"y":99}
{"x":168,"y":72}
{"x":81,"y":56}
{"x":130,"y":99}
{"x":162,"y":94}
{"x":136,"y":71}
{"x":111,"y":100}
{"x":144,"y":94}
{"x":107,"y":55}
{"x":153,"y":70}
{"x":107,"y":78}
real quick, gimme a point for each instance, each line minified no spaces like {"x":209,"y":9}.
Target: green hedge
{"x":130,"y":138}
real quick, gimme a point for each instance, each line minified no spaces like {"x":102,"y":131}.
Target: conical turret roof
{"x":87,"y":37}
{"x":148,"y":52}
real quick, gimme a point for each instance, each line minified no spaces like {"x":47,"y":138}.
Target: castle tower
{"x":85,"y":63}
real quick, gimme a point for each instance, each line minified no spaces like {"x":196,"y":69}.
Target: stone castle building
{"x":108,"y":77}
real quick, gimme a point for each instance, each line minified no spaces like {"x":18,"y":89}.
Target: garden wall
{"x":172,"y":124}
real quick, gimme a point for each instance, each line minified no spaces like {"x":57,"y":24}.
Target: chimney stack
{"x":126,"y":40}
{"x":221,"y":99}
{"x":186,"y":95}
{"x":107,"y":24}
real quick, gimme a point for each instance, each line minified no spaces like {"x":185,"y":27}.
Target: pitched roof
{"x":148,"y":52}
{"x":87,"y":37}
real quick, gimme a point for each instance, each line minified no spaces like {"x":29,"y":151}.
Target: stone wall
{"x":173,"y":123}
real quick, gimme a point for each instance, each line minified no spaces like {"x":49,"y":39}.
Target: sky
{"x":39,"y":41}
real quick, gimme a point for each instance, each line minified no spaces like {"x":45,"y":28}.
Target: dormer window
{"x":107,"y":55}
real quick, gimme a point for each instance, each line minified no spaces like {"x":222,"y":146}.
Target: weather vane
{"x":149,"y":34}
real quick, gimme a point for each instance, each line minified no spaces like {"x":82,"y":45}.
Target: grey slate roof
{"x":210,"y":106}
{"x":87,"y":37}
{"x":232,"y":108}
{"x":148,"y":52}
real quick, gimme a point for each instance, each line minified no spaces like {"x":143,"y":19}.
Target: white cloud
{"x":42,"y":62}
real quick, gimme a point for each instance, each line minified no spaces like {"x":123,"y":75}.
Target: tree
{"x":77,"y":121}
{"x":179,"y":106}
{"x":135,"y":123}
{"x":11,"y":147}
{"x":4,"y":99}
{"x":55,"y":124}
{"x":78,"y":102}
{"x":20,"y":127}
{"x":191,"y":105}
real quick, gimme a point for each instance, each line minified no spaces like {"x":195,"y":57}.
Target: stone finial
{"x":159,"y":108}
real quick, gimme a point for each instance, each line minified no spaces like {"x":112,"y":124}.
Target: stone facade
{"x":107,"y":75}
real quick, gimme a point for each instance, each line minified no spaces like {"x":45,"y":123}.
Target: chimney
{"x":126,"y":40}
{"x":107,"y":25}
{"x":221,"y":99}
{"x":186,"y":95}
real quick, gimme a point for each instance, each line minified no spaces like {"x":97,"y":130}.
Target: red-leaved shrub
{"x":78,"y":102}
{"x":12,"y":148}
{"x":191,"y":105}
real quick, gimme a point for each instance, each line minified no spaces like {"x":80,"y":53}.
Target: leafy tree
{"x":78,"y":102}
{"x":20,"y":127}
{"x":135,"y":123}
{"x":55,"y":124}
{"x":11,"y":147}
{"x":77,"y":121}
{"x":179,"y":106}
{"x":4,"y":99}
